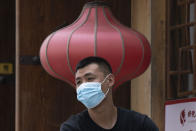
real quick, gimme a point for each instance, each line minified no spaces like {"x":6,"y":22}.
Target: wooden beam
{"x":141,"y":86}
{"x":158,"y":41}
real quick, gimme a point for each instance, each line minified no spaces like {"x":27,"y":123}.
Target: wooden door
{"x":42,"y":102}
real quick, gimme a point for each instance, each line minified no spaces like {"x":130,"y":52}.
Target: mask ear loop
{"x":107,"y":92}
{"x":104,"y":81}
{"x":105,"y":78}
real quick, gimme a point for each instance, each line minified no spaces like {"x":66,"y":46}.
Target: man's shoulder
{"x":131,"y":113}
{"x":74,"y":121}
{"x":138,"y":119}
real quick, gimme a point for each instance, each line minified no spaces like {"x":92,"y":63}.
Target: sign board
{"x":6,"y":68}
{"x":180,"y":115}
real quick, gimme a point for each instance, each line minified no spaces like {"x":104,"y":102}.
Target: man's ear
{"x":111,"y":80}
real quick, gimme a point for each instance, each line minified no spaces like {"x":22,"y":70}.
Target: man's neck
{"x":105,"y":115}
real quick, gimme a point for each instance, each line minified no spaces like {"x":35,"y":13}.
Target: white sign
{"x":180,"y":115}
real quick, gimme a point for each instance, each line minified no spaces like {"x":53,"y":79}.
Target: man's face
{"x":89,"y":73}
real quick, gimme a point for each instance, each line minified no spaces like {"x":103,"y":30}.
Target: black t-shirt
{"x":127,"y":120}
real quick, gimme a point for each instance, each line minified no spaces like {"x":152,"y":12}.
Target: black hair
{"x":102,"y":63}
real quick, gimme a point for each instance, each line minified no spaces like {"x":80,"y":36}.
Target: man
{"x":94,"y":81}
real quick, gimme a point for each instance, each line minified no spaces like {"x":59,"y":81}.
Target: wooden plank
{"x":141,"y":86}
{"x":43,"y":102}
{"x":17,"y":91}
{"x":176,"y":27}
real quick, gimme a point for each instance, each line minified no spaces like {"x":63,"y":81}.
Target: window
{"x":181,"y":49}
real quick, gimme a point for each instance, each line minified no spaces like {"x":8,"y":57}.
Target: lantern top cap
{"x":96,"y":3}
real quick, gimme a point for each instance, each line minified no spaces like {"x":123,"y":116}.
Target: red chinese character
{"x":189,"y":114}
{"x":193,"y":113}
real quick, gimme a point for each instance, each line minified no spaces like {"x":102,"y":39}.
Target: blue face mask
{"x":91,"y":94}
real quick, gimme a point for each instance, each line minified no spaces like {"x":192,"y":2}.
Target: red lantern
{"x":95,"y":33}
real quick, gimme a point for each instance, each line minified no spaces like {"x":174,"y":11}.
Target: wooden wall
{"x":7,"y":55}
{"x":42,"y":102}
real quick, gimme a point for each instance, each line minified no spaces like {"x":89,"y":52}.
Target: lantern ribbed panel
{"x":95,"y":33}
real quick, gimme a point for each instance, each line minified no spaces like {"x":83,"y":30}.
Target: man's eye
{"x":90,"y":78}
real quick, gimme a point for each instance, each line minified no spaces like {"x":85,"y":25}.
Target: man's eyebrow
{"x":77,"y":78}
{"x":86,"y":75}
{"x":89,"y":74}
